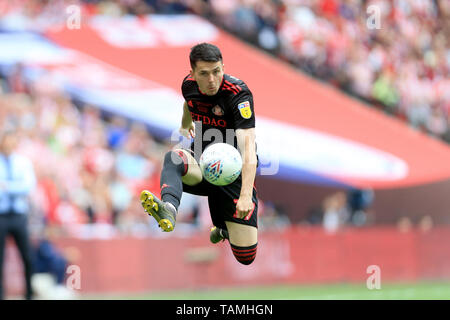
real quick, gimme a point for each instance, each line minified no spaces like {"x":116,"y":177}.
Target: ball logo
{"x":214,"y":170}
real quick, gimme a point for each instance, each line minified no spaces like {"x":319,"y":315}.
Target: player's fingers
{"x":192,"y":132}
{"x":243,"y":213}
{"x":184,"y":132}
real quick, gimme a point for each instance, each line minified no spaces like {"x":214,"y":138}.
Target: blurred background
{"x":353,"y":132}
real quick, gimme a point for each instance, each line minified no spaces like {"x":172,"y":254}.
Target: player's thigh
{"x":242,"y":235}
{"x":193,"y":175}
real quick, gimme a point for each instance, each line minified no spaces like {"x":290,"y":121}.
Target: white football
{"x":221,"y":164}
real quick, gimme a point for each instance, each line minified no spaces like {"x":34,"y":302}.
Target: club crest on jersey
{"x":218,"y":111}
{"x":244,"y":109}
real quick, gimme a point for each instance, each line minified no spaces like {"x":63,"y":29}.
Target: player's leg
{"x":19,"y":232}
{"x":3,"y":233}
{"x":243,"y":241}
{"x":241,"y":233}
{"x":193,"y":174}
{"x":179,"y":167}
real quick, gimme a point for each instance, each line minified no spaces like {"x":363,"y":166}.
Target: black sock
{"x":175,"y":166}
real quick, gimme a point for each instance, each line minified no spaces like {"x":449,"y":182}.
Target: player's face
{"x":208,"y":76}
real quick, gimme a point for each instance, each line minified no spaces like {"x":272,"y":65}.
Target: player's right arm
{"x":187,"y":125}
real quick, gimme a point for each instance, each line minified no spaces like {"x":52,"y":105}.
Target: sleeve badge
{"x":244,"y":109}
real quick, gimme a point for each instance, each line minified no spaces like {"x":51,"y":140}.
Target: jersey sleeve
{"x":243,"y":110}
{"x":187,"y":87}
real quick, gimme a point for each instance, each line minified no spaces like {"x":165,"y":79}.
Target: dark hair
{"x":204,"y":52}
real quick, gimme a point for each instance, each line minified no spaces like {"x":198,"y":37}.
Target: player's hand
{"x":243,"y":207}
{"x":188,"y":132}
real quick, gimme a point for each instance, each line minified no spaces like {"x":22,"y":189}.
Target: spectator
{"x":50,"y":264}
{"x":358,"y":203}
{"x":17,"y":180}
{"x":385,"y":92}
{"x":404,"y":224}
{"x":335,"y":212}
{"x":16,"y":80}
{"x":117,"y":132}
{"x":273,"y":217}
{"x":47,"y":259}
{"x":425,"y":223}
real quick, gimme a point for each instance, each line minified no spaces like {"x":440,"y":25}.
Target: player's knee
{"x":178,"y":159}
{"x":192,"y":174}
{"x":173,"y":156}
{"x":245,"y":255}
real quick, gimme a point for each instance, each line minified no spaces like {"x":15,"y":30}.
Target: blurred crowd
{"x":393,"y":54}
{"x":402,"y":64}
{"x":340,"y":209}
{"x":398,"y":61}
{"x":90,"y":167}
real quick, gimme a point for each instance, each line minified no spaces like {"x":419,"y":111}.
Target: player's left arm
{"x":244,"y":123}
{"x":246,"y":143}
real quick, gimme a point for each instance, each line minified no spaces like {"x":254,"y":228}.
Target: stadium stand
{"x":402,"y":68}
{"x":92,"y":165}
{"x":406,"y":76}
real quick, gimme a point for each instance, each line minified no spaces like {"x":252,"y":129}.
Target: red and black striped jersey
{"x":231,"y":108}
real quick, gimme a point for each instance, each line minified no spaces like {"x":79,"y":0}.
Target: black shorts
{"x":222,"y":202}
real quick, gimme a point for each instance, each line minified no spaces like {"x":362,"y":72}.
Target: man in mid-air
{"x":219,"y":104}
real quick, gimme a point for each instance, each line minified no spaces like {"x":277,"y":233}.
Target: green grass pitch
{"x":432,"y":290}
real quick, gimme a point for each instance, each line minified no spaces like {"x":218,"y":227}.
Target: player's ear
{"x":191,"y":72}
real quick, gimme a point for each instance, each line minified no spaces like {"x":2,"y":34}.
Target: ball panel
{"x":221,"y":164}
